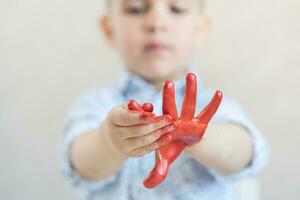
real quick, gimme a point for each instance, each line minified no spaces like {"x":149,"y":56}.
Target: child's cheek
{"x":131,"y":46}
{"x":184,"y":41}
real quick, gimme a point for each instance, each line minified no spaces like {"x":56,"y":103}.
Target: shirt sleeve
{"x":231,"y":111}
{"x":86,"y":113}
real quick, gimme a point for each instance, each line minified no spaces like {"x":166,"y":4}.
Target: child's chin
{"x":152,"y":74}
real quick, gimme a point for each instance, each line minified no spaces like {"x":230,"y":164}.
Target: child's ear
{"x":203,"y":29}
{"x":106,"y":27}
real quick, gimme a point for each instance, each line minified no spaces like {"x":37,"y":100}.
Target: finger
{"x":208,"y":112}
{"x":142,"y":130}
{"x":138,"y":142}
{"x":190,"y":94}
{"x":164,"y":140}
{"x":169,"y":103}
{"x":147,"y":107}
{"x":121,"y":116}
{"x":133,"y":105}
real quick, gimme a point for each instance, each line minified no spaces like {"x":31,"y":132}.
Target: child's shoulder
{"x":105,"y":91}
{"x":98,"y":95}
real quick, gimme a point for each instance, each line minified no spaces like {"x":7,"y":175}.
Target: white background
{"x":52,"y":50}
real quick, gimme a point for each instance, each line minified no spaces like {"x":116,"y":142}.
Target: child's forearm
{"x":225,"y":147}
{"x":92,"y":157}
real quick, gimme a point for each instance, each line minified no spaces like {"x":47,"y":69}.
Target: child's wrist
{"x":108,"y":144}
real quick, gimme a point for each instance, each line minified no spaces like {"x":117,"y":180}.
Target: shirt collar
{"x":134,"y":86}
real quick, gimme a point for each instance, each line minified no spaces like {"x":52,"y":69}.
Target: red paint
{"x":189,"y":129}
{"x":145,"y":110}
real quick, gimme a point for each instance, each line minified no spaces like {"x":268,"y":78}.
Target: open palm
{"x":189,"y":129}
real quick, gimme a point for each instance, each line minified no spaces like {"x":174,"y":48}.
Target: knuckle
{"x":142,"y":141}
{"x":158,"y":133}
{"x":139,"y":142}
{"x":124,"y":117}
{"x":152,"y":138}
{"x":116,"y":115}
{"x":149,"y":148}
{"x":136,"y":153}
{"x":158,"y":125}
{"x":136,"y":132}
{"x":155,"y":145}
{"x":112,"y":115}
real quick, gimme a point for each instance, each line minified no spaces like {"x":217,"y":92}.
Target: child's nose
{"x":156,"y":18}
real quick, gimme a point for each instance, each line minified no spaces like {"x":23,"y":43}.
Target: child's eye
{"x":135,"y":7}
{"x":135,"y":10}
{"x":177,"y":9}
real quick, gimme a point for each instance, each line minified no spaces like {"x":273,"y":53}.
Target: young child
{"x":108,"y":150}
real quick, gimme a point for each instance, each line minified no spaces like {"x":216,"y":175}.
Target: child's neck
{"x":158,"y":83}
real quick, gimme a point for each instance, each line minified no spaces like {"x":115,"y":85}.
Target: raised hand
{"x":136,"y":133}
{"x":189,"y":129}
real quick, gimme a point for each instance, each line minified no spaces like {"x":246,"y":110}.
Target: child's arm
{"x":225,"y":147}
{"x":89,"y":152}
{"x":99,"y":153}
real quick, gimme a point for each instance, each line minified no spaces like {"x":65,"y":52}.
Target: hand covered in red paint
{"x":136,"y":133}
{"x":189,"y":129}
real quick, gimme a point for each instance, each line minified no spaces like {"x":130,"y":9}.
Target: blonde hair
{"x":201,"y":2}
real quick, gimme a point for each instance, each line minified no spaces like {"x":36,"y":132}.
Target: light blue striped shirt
{"x":187,"y":179}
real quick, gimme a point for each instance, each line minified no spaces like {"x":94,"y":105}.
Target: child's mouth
{"x":155,"y":47}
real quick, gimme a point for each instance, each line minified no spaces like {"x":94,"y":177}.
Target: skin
{"x":189,"y":128}
{"x":178,"y":27}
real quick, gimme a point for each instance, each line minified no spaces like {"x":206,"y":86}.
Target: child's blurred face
{"x":155,"y":38}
